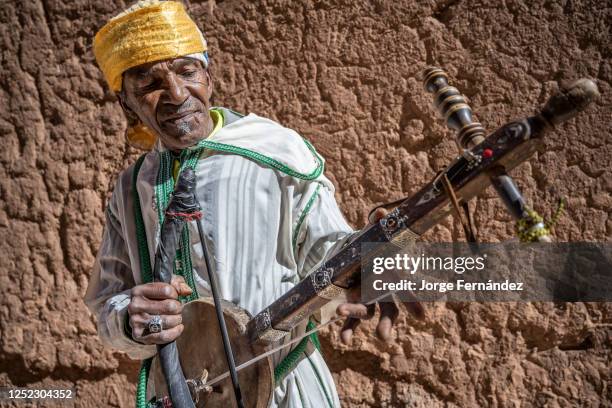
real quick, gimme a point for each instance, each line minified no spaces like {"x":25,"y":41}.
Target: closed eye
{"x":151,"y":86}
{"x":188,"y":74}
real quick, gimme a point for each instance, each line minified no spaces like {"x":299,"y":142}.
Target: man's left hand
{"x":355,"y":311}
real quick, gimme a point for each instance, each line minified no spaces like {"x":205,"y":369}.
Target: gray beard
{"x":183,"y":128}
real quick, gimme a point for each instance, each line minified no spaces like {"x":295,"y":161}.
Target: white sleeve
{"x":109,"y":290}
{"x":322,"y":230}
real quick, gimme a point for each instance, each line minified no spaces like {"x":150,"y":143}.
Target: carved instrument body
{"x":201,"y":352}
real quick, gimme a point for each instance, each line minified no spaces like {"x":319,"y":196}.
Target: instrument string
{"x":272,"y":351}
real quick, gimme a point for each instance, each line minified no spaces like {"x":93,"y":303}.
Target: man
{"x":269,"y":214}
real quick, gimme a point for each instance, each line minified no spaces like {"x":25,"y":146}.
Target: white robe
{"x":264,"y":228}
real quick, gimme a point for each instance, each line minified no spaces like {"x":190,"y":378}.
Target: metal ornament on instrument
{"x":331,"y":292}
{"x":396,"y":231}
{"x":322,"y":284}
{"x":263,"y":324}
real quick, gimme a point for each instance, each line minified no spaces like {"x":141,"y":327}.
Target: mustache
{"x":169,"y":111}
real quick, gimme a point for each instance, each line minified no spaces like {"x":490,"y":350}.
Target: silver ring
{"x":155,"y":324}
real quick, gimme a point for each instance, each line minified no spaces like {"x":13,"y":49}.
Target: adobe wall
{"x":345,"y":75}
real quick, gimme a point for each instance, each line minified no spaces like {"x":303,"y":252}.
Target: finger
{"x":155,"y":290}
{"x":356,"y":310}
{"x":182,"y":288}
{"x":377,"y":215}
{"x":346,"y":333}
{"x":388,"y":315}
{"x":177,"y":280}
{"x":154,"y":307}
{"x":353,"y":295}
{"x":416,"y":309}
{"x":140,"y":322}
{"x":163,"y":337}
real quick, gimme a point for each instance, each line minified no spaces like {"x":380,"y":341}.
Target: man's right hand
{"x":161,"y":299}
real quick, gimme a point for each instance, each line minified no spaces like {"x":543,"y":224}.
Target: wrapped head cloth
{"x":149,"y":31}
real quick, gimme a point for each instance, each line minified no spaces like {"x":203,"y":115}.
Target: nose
{"x":176,"y":92}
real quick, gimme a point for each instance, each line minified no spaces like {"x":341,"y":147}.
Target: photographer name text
{"x":442,"y":287}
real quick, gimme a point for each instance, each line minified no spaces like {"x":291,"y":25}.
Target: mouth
{"x":177,"y":116}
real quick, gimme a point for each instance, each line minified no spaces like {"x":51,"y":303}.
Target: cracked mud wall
{"x":346,"y":75}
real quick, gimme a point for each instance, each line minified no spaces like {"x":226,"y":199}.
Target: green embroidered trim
{"x":314,"y":368}
{"x":141,"y":388}
{"x":143,"y":248}
{"x":146,"y":275}
{"x":260,"y":158}
{"x":314,"y":338}
{"x":291,"y":360}
{"x":303,"y":215}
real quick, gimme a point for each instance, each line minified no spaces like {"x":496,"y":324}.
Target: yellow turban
{"x":150,"y":31}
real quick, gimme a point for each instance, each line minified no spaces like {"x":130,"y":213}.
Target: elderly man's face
{"x":171,"y":97}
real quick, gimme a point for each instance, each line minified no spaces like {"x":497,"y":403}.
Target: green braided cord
{"x":531,"y":227}
{"x":146,"y":275}
{"x":314,"y":368}
{"x":304,"y":214}
{"x":291,"y":360}
{"x":260,"y":158}
{"x":143,"y":248}
{"x":141,"y":388}
{"x":163,"y":185}
{"x":313,"y":337}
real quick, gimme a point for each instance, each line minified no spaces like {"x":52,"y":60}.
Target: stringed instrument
{"x":483,"y":161}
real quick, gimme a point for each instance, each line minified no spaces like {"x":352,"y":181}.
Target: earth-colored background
{"x":345,"y":74}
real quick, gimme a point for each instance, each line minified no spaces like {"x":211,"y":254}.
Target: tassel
{"x":140,"y":136}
